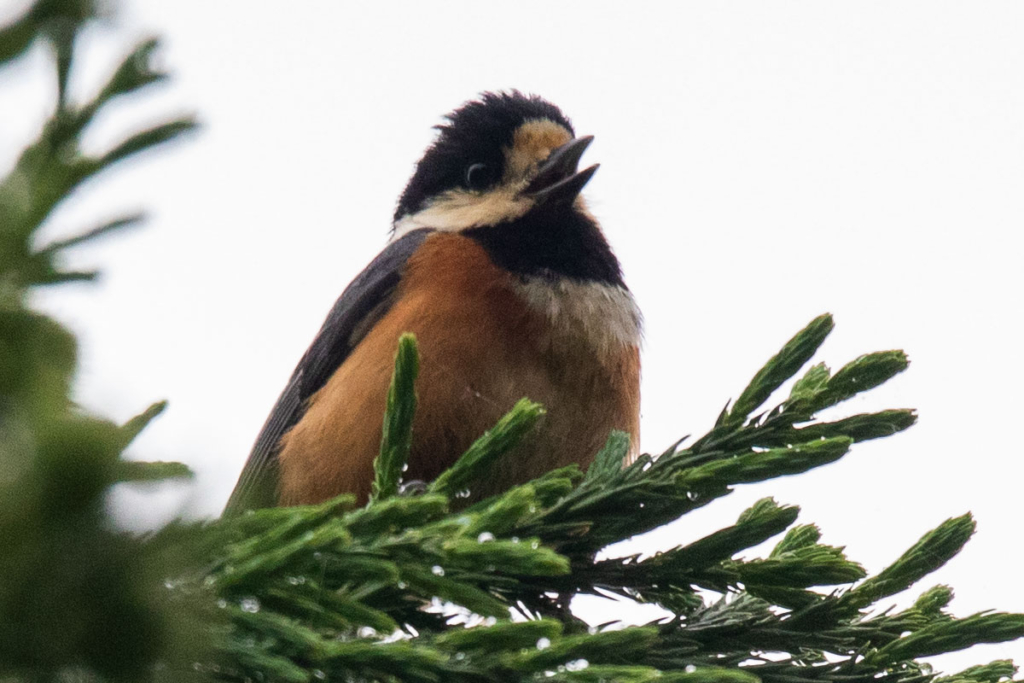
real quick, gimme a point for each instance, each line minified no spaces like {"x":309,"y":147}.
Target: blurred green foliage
{"x":411,"y":587}
{"x":74,"y":594}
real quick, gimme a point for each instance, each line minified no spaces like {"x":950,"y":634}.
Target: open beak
{"x":558,"y":179}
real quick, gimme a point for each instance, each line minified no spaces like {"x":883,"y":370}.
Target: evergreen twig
{"x":397,"y":431}
{"x":419,"y":587}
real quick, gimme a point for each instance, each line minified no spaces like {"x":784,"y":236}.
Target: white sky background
{"x":761,"y":163}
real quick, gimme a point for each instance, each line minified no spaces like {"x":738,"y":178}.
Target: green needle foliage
{"x":416,"y":586}
{"x":397,"y":430}
{"x":75,"y":596}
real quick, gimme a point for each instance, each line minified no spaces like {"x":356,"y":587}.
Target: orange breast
{"x":481,"y":349}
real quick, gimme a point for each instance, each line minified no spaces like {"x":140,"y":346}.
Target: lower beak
{"x":557,"y":178}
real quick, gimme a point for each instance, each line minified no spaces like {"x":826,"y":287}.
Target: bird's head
{"x":496,"y":160}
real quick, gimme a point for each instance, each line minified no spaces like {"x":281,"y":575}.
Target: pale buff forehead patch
{"x":531,"y":143}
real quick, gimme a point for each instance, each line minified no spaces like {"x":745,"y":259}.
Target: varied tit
{"x":512,"y":291}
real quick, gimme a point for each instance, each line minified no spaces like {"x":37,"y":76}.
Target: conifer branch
{"x":797,"y":351}
{"x":492,"y":445}
{"x":422,"y":587}
{"x":396,"y":437}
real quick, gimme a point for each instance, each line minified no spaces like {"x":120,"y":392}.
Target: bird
{"x":500,"y":269}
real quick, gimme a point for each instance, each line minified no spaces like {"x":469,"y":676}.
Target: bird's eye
{"x":478,"y":176}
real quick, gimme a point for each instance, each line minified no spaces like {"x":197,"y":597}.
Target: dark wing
{"x":360,"y":306}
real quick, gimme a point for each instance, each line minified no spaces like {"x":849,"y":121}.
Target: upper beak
{"x":557,"y":178}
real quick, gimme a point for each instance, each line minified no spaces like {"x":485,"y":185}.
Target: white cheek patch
{"x":458,"y":210}
{"x":601,"y":315}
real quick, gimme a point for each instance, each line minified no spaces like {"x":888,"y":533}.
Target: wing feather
{"x":360,"y":306}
